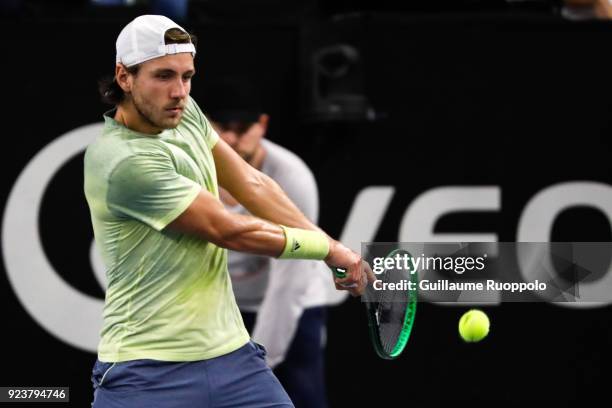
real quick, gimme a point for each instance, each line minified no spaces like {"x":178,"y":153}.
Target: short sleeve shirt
{"x":169,"y":296}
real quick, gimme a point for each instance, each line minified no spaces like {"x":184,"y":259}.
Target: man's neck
{"x":128,"y":116}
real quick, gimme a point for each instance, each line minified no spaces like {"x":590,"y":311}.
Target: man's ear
{"x":123,"y":78}
{"x":263,"y":121}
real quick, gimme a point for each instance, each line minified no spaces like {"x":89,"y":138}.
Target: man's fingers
{"x":346,"y":285}
{"x":349,"y":280}
{"x":358,"y":290}
{"x":367,"y":270}
{"x":353,"y":290}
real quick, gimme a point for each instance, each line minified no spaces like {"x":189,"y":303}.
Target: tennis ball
{"x":473,"y":326}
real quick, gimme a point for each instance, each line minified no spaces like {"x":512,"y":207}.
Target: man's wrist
{"x":305,"y":244}
{"x":333,"y":244}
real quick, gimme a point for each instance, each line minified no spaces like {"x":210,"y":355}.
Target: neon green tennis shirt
{"x":169,"y":295}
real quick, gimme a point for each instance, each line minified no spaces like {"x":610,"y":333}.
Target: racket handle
{"x":341,"y":274}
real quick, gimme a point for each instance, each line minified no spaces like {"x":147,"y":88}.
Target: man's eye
{"x":164,"y":76}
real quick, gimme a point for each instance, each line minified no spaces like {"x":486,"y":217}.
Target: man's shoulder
{"x":115,"y":146}
{"x":118,"y":143}
{"x":195,"y":122}
{"x":191,"y":107}
{"x":193,"y":113}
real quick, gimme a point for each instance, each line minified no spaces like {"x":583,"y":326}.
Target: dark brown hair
{"x":109,"y":89}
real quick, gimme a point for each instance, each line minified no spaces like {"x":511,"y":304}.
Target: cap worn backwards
{"x":143,"y":40}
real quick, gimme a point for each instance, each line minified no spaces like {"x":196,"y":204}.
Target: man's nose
{"x":179,"y":89}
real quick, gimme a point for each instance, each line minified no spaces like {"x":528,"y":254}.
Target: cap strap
{"x":176,"y":48}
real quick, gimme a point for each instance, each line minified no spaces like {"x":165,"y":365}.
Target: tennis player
{"x":172,"y":333}
{"x":283,"y":302}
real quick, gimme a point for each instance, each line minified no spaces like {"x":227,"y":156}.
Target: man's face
{"x":160,"y":89}
{"x":244,"y":138}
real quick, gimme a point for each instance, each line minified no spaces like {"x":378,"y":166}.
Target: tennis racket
{"x":390,"y":313}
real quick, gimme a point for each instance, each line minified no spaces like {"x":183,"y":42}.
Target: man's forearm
{"x":207,"y":219}
{"x":257,"y":192}
{"x":268,"y":201}
{"x":252,"y":235}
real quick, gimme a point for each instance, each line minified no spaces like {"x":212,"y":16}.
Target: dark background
{"x":470,"y":97}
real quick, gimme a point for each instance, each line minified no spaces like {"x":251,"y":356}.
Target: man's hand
{"x":358,"y":272}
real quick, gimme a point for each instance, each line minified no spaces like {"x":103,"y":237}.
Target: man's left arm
{"x":257,"y":192}
{"x":264,"y":198}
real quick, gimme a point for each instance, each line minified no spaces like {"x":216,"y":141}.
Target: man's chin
{"x":170,"y":123}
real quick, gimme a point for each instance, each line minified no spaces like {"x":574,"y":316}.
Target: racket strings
{"x":391,"y":309}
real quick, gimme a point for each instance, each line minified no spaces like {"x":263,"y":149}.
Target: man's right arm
{"x":208,"y":219}
{"x":146,"y":186}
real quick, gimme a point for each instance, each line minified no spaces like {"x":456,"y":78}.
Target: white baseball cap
{"x":143,"y":39}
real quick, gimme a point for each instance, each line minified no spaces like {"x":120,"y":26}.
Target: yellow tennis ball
{"x":474,"y":326}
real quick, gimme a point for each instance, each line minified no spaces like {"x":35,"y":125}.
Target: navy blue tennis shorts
{"x":237,"y":379}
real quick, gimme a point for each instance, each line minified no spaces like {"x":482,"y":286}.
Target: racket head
{"x":391,"y":314}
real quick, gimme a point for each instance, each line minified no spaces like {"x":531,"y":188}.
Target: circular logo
{"x":66,"y":313}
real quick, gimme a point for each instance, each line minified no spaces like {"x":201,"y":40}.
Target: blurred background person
{"x":283,"y":302}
